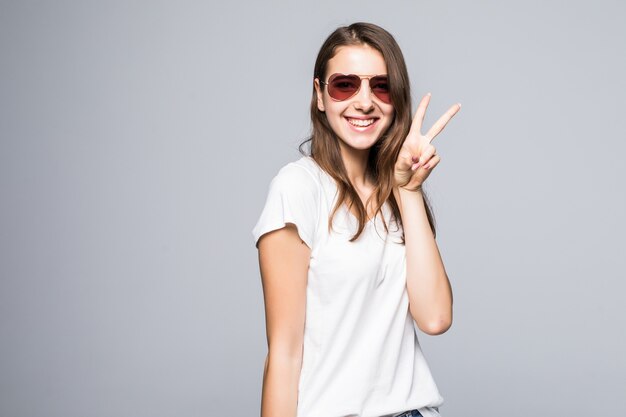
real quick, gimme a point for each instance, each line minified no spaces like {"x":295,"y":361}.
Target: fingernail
{"x":428,"y":94}
{"x":459,"y":104}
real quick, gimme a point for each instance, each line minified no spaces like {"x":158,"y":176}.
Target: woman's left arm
{"x":430,"y":293}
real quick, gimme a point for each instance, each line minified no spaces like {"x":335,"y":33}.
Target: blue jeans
{"x":410,"y":413}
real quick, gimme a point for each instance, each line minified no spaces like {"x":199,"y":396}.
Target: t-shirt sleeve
{"x":293,"y":197}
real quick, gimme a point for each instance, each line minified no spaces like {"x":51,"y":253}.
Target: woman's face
{"x":360,"y":120}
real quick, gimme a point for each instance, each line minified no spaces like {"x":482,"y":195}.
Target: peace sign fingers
{"x":417,"y":150}
{"x":442,"y":122}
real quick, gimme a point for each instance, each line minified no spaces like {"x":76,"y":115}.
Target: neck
{"x":355,"y":161}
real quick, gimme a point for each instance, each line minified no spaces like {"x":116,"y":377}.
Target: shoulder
{"x":293,"y":197}
{"x":299,"y":176}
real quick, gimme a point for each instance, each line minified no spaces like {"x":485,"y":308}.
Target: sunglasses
{"x":343,"y":86}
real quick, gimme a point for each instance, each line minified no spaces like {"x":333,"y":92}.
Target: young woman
{"x":347,"y":249}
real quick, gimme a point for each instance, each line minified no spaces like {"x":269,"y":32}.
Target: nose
{"x":363,"y":99}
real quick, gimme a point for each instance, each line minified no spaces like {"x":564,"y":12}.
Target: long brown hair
{"x":383,"y":154}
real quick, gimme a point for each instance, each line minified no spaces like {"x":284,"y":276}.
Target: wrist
{"x":410,"y":189}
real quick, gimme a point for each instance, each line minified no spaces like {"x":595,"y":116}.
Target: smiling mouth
{"x":360,"y":122}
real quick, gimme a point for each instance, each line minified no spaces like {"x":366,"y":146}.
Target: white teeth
{"x":360,"y":122}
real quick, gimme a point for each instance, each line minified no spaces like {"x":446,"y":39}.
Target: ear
{"x":320,"y":95}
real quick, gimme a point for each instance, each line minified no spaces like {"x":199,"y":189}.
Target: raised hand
{"x":418,"y":156}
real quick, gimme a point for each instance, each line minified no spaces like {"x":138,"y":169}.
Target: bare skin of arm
{"x":430,"y":293}
{"x":284,"y":263}
{"x":428,"y":287}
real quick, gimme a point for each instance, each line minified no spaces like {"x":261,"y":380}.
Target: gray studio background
{"x":138,"y":140}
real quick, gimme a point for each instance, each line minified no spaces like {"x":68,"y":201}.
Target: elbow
{"x":434,"y":326}
{"x":285,"y":356}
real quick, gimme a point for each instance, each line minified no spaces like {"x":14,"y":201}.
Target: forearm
{"x":428,"y":287}
{"x":281,"y":377}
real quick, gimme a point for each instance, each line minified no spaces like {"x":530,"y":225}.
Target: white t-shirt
{"x":361,"y":355}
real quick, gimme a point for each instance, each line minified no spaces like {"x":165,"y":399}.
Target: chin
{"x":359,"y":144}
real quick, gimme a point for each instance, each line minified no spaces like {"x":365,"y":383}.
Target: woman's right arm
{"x":284,"y":263}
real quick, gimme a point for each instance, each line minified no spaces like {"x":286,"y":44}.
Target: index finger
{"x":418,"y":119}
{"x":442,"y":122}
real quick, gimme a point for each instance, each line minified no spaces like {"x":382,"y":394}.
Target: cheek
{"x":336,"y":122}
{"x":390,"y":117}
{"x":333,"y":111}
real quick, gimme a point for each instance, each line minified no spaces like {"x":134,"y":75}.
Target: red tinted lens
{"x":380,"y":88}
{"x":342,"y":87}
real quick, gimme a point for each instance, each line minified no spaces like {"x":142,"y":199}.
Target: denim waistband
{"x":410,"y":413}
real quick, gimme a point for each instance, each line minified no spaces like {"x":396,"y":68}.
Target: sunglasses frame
{"x":361,"y":77}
